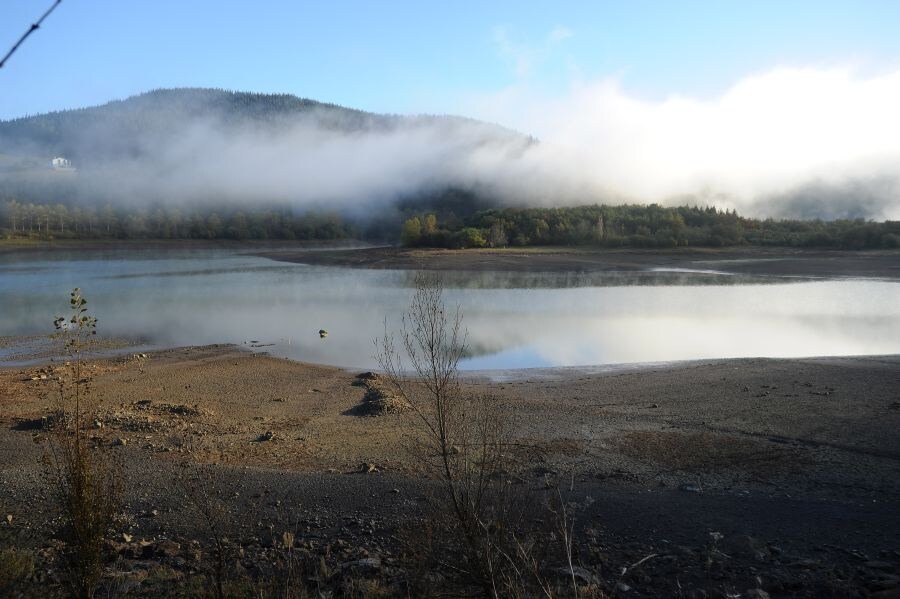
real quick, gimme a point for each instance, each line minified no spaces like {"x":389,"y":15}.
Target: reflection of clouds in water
{"x":222,"y":297}
{"x":662,"y":339}
{"x":550,"y":280}
{"x":671,"y":323}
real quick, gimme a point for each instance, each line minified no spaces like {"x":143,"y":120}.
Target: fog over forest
{"x":788,"y":143}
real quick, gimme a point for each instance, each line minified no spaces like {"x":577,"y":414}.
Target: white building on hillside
{"x":61,"y":164}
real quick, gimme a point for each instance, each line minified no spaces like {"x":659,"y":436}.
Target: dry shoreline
{"x":745,"y":260}
{"x":775,"y":261}
{"x":763,"y":451}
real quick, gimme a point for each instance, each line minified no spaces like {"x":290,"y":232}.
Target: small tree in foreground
{"x":86,"y":482}
{"x":461,"y":440}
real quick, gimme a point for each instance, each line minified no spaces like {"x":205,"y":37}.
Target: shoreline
{"x":561,"y":373}
{"x":781,"y":262}
{"x":740,"y":260}
{"x":113,"y":349}
{"x":760,"y":451}
{"x":734,"y":389}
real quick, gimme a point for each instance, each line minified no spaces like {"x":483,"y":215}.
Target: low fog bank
{"x":209,"y":147}
{"x":764,"y":148}
{"x":876,"y":197}
{"x":790,"y":142}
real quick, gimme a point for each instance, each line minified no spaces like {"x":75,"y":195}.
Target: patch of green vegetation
{"x":35,"y":221}
{"x":652,"y":226}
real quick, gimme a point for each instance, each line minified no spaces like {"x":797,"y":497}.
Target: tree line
{"x":652,"y":226}
{"x":59,"y":221}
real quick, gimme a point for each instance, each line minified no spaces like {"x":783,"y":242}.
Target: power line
{"x":34,"y":27}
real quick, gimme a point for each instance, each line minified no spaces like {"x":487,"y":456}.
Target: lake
{"x":514,"y":320}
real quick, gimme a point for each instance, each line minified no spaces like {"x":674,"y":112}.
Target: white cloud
{"x":558,"y":34}
{"x":526,"y":57}
{"x":766,"y":134}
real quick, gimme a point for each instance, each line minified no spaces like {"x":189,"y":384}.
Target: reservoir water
{"x":514,"y":320}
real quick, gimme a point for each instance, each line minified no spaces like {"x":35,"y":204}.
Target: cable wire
{"x":34,"y":27}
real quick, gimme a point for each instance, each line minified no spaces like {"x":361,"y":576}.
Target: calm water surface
{"x":514,"y":320}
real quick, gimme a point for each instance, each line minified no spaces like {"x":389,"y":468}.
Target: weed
{"x":85,"y":478}
{"x":461,"y":440}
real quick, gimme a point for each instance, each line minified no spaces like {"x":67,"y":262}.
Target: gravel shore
{"x":796,"y":463}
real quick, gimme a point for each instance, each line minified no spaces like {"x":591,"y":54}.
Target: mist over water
{"x":514,"y":320}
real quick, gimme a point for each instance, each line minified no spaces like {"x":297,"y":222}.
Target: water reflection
{"x":514,"y":320}
{"x":565,"y":280}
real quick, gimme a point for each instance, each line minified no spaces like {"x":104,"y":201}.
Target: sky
{"x":416,"y":57}
{"x":752,"y":105}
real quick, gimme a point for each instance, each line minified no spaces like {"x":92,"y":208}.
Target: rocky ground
{"x":731,"y":478}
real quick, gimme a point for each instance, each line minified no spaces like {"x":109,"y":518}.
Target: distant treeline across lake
{"x":652,"y":226}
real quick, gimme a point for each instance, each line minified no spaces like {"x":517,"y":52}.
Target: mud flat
{"x":795,"y":463}
{"x":749,"y":261}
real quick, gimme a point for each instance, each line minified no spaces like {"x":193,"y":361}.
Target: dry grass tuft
{"x":15,"y":567}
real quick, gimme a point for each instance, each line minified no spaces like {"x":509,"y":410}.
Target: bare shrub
{"x":85,"y":478}
{"x":460,"y":439}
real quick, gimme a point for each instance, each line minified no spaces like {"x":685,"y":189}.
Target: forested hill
{"x":97,"y":132}
{"x":133,"y":126}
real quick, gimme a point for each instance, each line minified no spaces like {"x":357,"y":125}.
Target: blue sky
{"x":425,"y":57}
